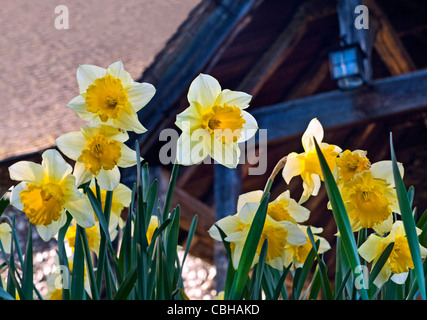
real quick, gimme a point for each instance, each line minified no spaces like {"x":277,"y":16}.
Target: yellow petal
{"x":292,"y":167}
{"x":82,"y":211}
{"x":371,"y":248}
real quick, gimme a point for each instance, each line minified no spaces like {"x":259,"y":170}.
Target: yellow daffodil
{"x":121,"y":198}
{"x":154,"y":224}
{"x":307,"y":164}
{"x":278,"y":234}
{"x":98,"y":152}
{"x":46,"y":191}
{"x":93,"y":236}
{"x":370,"y":198}
{"x":349,"y":163}
{"x":5,"y":236}
{"x":298,"y":254}
{"x":110,"y":96}
{"x":214,"y":123}
{"x":400,"y":260}
{"x":283,"y":208}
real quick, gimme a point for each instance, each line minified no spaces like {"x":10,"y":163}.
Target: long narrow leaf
{"x":408,"y":222}
{"x":27,"y":279}
{"x":341,"y":217}
{"x":249,"y":250}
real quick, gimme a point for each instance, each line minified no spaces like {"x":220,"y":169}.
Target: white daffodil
{"x":214,"y":123}
{"x":111,"y":96}
{"x":98,"y":152}
{"x":46,"y":191}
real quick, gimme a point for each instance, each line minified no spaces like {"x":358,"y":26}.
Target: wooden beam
{"x":388,"y":44}
{"x":285,"y":44}
{"x":381,"y":98}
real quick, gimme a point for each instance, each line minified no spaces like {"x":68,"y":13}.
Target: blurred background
{"x":358,"y":66}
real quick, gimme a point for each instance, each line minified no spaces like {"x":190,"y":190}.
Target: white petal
{"x":226,"y":154}
{"x":87,"y":74}
{"x":249,"y":128}
{"x":140,"y":94}
{"x":129,"y":121}
{"x":253,"y":196}
{"x":118,"y":71}
{"x":399,"y":278}
{"x":81,"y":173}
{"x":371,"y":248}
{"x":234,"y":98}
{"x":247,"y":213}
{"x":49,"y":231}
{"x":315,"y":130}
{"x":71,"y":144}
{"x":384,"y":170}
{"x":78,"y":104}
{"x":82,"y":211}
{"x":128,"y":157}
{"x":26,"y":171}
{"x":292,"y":167}
{"x":109,"y":179}
{"x":55,"y":166}
{"x":204,"y":90}
{"x":193,"y":148}
{"x":15,"y":199}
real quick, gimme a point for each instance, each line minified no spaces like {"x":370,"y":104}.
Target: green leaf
{"x":380,"y":263}
{"x":302,"y":273}
{"x":326,"y":287}
{"x":77,"y":278}
{"x":172,"y":233}
{"x":89,"y":265}
{"x":127,"y":285}
{"x":256,"y":289}
{"x":249,"y":250}
{"x":408,"y":222}
{"x":5,"y":296}
{"x":27,"y":279}
{"x":171,"y":187}
{"x":341,"y":217}
{"x":280,"y":283}
{"x":340,"y":291}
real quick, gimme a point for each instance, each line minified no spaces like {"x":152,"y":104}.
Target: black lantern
{"x":347,"y":66}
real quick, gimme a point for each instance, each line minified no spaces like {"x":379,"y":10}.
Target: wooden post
{"x":227,"y":190}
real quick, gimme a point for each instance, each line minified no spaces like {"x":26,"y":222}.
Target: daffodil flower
{"x":283,"y":208}
{"x":307,"y":164}
{"x":93,"y":236}
{"x":110,"y":96}
{"x":278,"y":234}
{"x":400,"y":260}
{"x":214,"y":123}
{"x":370,"y":198}
{"x":298,"y":254}
{"x":349,"y":163}
{"x":46,"y":191}
{"x":5,"y":236}
{"x":121,"y":199}
{"x":152,"y":226}
{"x":98,"y":152}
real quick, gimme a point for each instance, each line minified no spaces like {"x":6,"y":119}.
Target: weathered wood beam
{"x":388,"y":44}
{"x":308,"y":84}
{"x":336,"y":108}
{"x":285,"y":44}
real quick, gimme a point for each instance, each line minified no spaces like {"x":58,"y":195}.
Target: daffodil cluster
{"x":109,"y":100}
